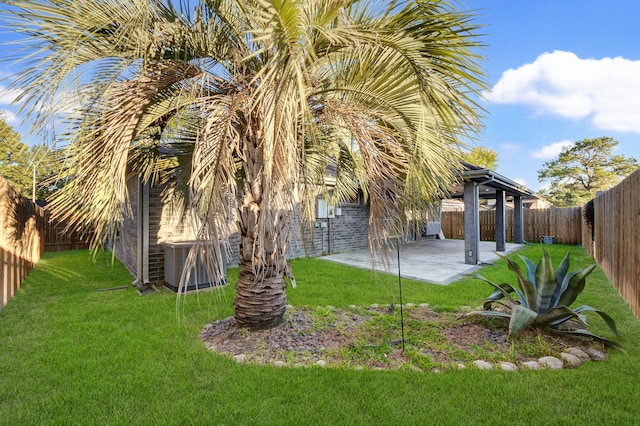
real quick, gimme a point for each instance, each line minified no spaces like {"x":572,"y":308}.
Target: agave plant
{"x":542,"y":299}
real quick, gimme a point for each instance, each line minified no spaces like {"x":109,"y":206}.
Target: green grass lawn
{"x":70,"y":354}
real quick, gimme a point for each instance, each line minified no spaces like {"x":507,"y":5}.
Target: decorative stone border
{"x":572,"y":358}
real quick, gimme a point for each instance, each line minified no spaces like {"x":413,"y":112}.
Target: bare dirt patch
{"x":371,"y":337}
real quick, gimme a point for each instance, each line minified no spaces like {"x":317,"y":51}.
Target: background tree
{"x":482,"y":156}
{"x":264,"y":93}
{"x":49,"y":164}
{"x":17,"y":161}
{"x":583,"y":169}
{"x":14,"y":159}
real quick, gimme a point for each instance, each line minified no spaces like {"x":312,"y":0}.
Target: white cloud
{"x":607,"y":90}
{"x":7,"y":96}
{"x":65,"y":103}
{"x":9,"y":117}
{"x":552,"y":150}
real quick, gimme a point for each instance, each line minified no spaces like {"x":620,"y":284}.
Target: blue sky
{"x":558,"y":70}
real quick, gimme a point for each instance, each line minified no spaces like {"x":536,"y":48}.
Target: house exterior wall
{"x":164,"y":226}
{"x":127,"y":240}
{"x":156,"y":250}
{"x":347,"y":231}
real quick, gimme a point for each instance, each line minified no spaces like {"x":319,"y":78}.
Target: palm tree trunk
{"x":260,"y":300}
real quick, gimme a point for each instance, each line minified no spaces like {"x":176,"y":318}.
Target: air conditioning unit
{"x":175,"y":260}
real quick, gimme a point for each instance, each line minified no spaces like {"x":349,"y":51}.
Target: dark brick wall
{"x":345,"y":232}
{"x":126,"y":243}
{"x":156,"y":250}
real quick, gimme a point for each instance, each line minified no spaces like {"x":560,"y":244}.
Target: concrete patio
{"x":434,"y":261}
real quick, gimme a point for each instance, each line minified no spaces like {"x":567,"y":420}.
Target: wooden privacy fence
{"x":563,"y":224}
{"x":56,"y":238}
{"x":617,"y":237}
{"x":21,"y":239}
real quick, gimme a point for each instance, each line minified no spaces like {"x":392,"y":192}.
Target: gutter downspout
{"x":142,"y":231}
{"x":329,"y":235}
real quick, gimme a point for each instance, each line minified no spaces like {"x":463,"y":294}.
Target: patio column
{"x":518,"y":220}
{"x":471,"y":223}
{"x":501,"y":224}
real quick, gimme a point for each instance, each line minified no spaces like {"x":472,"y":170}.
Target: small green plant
{"x":542,"y":299}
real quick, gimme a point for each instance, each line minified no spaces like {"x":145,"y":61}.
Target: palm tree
{"x":252,"y":101}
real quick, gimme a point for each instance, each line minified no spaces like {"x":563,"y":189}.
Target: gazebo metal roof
{"x":488,"y":183}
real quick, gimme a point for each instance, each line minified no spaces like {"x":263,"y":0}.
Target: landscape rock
{"x":596,"y":355}
{"x":570,"y":360}
{"x":531,"y":365}
{"x":321,"y":363}
{"x":240,"y":359}
{"x":584,"y":357}
{"x":278,"y":364}
{"x":508,"y":366}
{"x":483,"y":365}
{"x":550,"y":363}
{"x":462,"y":367}
{"x":423,"y":305}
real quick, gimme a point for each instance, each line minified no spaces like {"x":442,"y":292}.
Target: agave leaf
{"x":488,"y":304}
{"x":488,"y":314}
{"x":586,"y":333}
{"x":562,"y":269}
{"x":528,"y":290}
{"x":521,"y":318}
{"x":573,"y":285}
{"x":561,"y":272}
{"x":501,"y":291}
{"x":607,"y":319}
{"x":545,"y":282}
{"x":531,"y":269}
{"x":558,"y":315}
{"x":564,"y":285}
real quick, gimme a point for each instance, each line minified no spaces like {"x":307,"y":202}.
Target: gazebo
{"x":478,"y":183}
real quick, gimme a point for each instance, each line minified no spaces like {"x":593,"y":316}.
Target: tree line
{"x":25,"y":167}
